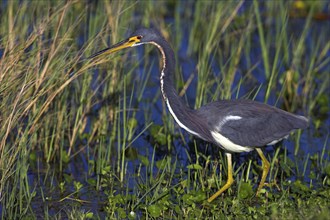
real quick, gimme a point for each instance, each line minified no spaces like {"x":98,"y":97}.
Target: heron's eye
{"x":139,"y":37}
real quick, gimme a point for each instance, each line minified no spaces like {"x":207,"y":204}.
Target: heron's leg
{"x":265,"y":169}
{"x":230,"y":179}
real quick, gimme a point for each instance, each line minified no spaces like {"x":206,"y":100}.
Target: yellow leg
{"x":230,"y":179}
{"x":265,"y":169}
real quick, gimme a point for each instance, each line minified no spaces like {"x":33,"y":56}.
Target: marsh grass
{"x":92,"y":139}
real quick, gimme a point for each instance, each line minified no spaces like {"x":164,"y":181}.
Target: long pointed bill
{"x":130,"y":42}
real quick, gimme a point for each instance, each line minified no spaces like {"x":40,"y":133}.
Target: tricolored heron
{"x":233,"y":125}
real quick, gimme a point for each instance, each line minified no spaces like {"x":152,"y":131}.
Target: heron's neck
{"x":167,"y":73}
{"x":175,"y":104}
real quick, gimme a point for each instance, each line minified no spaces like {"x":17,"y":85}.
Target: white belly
{"x":228,"y":144}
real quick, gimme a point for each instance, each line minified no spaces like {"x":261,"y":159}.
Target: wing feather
{"x":259,"y":125}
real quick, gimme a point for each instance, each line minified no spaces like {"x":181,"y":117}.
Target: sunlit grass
{"x":91,"y":138}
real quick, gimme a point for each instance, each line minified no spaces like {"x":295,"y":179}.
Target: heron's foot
{"x":229,"y":182}
{"x":269,"y":185}
{"x":265,"y":169}
{"x":272,"y":184}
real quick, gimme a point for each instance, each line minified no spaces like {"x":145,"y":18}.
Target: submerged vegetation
{"x":83,"y":140}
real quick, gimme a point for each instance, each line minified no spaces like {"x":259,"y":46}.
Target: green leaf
{"x":195,"y":167}
{"x":105,"y":170}
{"x":131,"y":153}
{"x":245,"y":191}
{"x":299,"y":187}
{"x":155,"y":129}
{"x":144,"y":160}
{"x":199,"y":196}
{"x":121,"y":213}
{"x":154,"y":210}
{"x":65,"y":157}
{"x":89,"y":215}
{"x":161,"y":164}
{"x":132,"y":123}
{"x":33,"y":156}
{"x":77,"y":185}
{"x":91,"y":181}
{"x":68,"y":178}
{"x":158,"y":135}
{"x":161,"y":138}
{"x":61,"y":185}
{"x":327,"y":170}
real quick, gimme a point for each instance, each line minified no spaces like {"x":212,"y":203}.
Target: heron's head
{"x":140,"y":36}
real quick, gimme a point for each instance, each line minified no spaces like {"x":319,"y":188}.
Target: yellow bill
{"x":130,"y":42}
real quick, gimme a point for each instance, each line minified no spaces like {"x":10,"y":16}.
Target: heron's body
{"x":269,"y":124}
{"x":233,"y":125}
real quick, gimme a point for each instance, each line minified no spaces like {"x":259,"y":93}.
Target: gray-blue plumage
{"x":260,"y":124}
